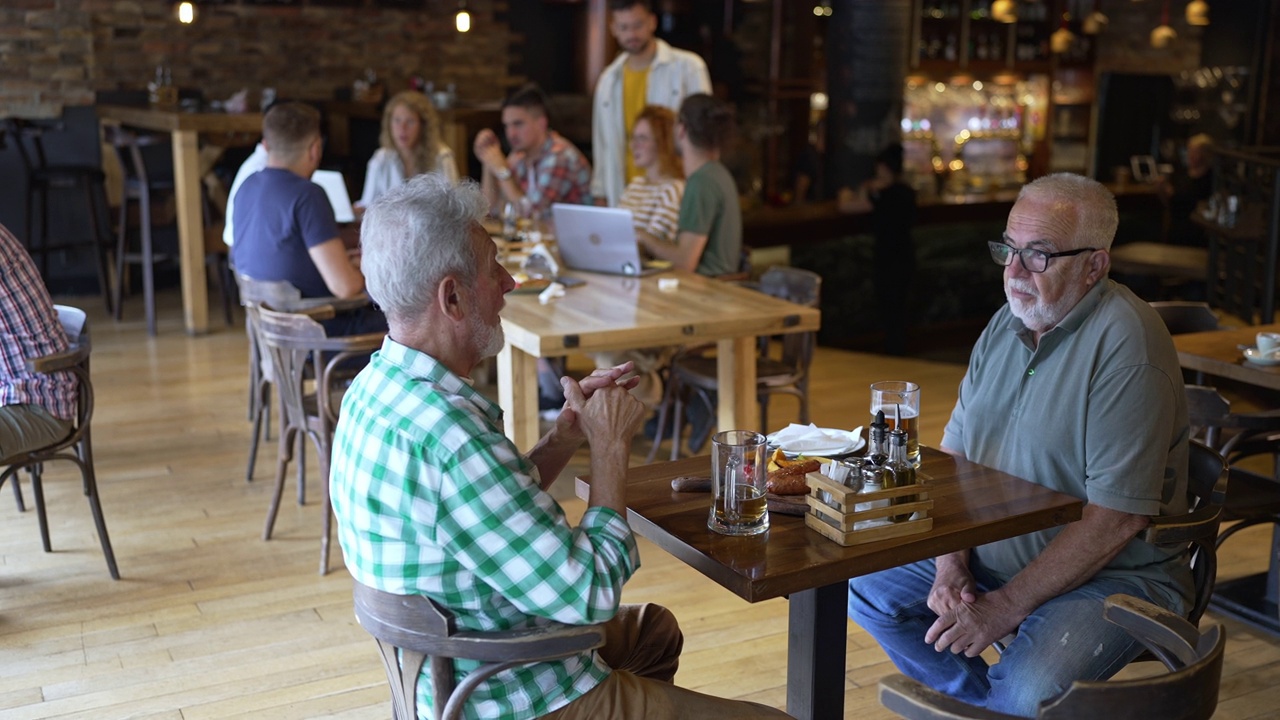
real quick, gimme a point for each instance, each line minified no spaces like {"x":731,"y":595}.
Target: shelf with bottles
{"x":940,"y":31}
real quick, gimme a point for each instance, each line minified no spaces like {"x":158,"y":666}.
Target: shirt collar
{"x":427,"y":369}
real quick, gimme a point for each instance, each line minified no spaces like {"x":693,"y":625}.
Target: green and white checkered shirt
{"x":432,"y":498}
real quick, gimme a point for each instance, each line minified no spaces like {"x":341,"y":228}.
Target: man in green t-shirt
{"x":709,"y":235}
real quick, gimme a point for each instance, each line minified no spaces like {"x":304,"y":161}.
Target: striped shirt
{"x":29,"y":327}
{"x":655,"y":207}
{"x":432,"y":499}
{"x":560,"y":174}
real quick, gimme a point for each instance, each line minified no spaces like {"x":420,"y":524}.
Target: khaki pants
{"x":29,"y":427}
{"x":642,"y":644}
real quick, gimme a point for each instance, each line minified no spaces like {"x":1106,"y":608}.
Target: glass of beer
{"x":906,"y":397}
{"x":738,"y":471}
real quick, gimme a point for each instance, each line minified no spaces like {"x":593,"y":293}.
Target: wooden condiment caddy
{"x":836,"y":520}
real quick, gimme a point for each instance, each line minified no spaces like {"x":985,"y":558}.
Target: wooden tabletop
{"x":613,"y":312}
{"x":1218,"y":353}
{"x":973,"y":505}
{"x":176,"y":119}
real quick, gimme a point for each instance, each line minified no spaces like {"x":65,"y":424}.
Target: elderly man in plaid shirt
{"x":433,"y":499}
{"x":35,"y":409}
{"x":543,"y":167}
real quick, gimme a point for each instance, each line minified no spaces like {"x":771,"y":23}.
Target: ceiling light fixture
{"x":1005,"y":11}
{"x":1095,"y":21}
{"x":462,"y":20}
{"x":1198,"y":12}
{"x":1164,"y":34}
{"x":185,"y":12}
{"x":1060,"y":40}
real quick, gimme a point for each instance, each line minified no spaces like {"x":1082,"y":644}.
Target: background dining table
{"x":1254,"y":599}
{"x":973,"y":505}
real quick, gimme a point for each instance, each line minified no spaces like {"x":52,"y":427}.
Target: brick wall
{"x":57,"y":52}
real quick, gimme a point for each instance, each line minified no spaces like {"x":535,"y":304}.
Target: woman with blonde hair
{"x":411,"y":145}
{"x":653,"y":197}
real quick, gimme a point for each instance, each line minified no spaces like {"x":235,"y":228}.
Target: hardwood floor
{"x":210,"y":621}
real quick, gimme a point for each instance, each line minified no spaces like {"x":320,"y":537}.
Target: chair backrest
{"x":75,"y":360}
{"x":278,"y":294}
{"x":1186,"y":317}
{"x":802,"y":287}
{"x":419,"y":629}
{"x":1198,"y":528}
{"x":1188,"y":692}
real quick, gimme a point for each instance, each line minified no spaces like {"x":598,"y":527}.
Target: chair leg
{"x":99,"y":244}
{"x":85,"y":450}
{"x":17,"y":493}
{"x":122,"y":249}
{"x":302,"y":470}
{"x":37,"y":489}
{"x":282,"y":467}
{"x":323,"y":449}
{"x":677,"y":425}
{"x":263,"y":409}
{"x":148,"y":266}
{"x":663,"y":410}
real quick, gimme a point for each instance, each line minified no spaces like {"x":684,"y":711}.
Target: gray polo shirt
{"x":1097,"y":411}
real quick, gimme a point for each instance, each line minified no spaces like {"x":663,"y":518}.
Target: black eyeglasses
{"x":1033,"y":260}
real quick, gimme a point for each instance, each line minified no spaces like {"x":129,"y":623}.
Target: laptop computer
{"x":336,"y":188}
{"x":602,"y":240}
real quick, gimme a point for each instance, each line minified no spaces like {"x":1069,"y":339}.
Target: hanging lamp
{"x":1164,"y":34}
{"x":1198,"y":12}
{"x":1060,"y":40}
{"x":1095,"y":21}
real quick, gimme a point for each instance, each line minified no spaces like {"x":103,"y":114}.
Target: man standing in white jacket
{"x":647,"y":72}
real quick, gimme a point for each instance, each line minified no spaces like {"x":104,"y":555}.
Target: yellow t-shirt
{"x":635,"y":86}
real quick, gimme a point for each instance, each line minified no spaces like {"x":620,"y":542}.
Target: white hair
{"x":1095,"y":206}
{"x":415,"y":235}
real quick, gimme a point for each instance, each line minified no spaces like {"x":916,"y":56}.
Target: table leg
{"x":518,"y":396}
{"x":736,"y":368}
{"x":186,"y":173}
{"x":816,"y":635}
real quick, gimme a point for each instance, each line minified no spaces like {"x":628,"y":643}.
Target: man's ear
{"x":1098,"y":264}
{"x":449,"y":298}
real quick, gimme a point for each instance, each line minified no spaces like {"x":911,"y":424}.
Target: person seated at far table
{"x":1073,"y":385}
{"x":654,"y":196}
{"x":284,"y":224}
{"x":543,"y":167}
{"x":433,"y":499}
{"x":709,"y":228}
{"x":1186,"y":187}
{"x":410,"y":145}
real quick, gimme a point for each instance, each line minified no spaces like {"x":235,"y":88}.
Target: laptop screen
{"x":336,"y":188}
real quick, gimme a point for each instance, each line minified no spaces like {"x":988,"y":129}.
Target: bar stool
{"x":139,"y":186}
{"x":45,"y":178}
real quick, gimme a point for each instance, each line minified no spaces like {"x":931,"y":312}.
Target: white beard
{"x":1035,"y":314}
{"x":490,"y":338}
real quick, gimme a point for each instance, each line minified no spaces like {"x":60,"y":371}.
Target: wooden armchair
{"x":419,"y":629}
{"x":1188,"y":692}
{"x":306,"y":365}
{"x":76,"y":447}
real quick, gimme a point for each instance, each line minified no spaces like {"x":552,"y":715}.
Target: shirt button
{"x":1031,"y":372}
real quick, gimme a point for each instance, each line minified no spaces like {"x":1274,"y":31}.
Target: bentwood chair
{"x":308,"y":366}
{"x":76,"y":447}
{"x":277,"y":294}
{"x":693,"y":372}
{"x":1189,"y":691}
{"x":410,"y":629}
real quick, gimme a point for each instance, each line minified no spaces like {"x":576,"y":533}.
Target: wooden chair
{"x":1188,"y":692}
{"x":277,"y":294}
{"x":1186,"y":317}
{"x":695,"y":370}
{"x":306,"y":363}
{"x":417,"y":628}
{"x":76,"y":447}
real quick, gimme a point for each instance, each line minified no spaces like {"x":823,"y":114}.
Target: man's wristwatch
{"x":502,"y":174}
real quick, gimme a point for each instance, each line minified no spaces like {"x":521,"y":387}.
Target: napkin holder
{"x":837,"y":519}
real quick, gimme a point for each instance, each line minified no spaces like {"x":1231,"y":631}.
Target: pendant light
{"x":462,"y":21}
{"x":1005,"y":11}
{"x":185,"y":12}
{"x":1197,"y":12}
{"x":1060,"y":40}
{"x":1164,"y":34}
{"x":1095,"y":21}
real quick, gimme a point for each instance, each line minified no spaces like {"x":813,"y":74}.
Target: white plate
{"x":1257,"y":357}
{"x":853,"y":444}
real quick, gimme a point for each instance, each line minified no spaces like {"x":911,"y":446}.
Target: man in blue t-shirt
{"x":284,"y":225}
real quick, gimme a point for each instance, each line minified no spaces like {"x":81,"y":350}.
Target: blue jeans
{"x":1065,"y":639}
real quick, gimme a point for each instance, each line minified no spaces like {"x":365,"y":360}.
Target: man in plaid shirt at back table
{"x":432,"y":499}
{"x":35,"y":409}
{"x":543,"y":168}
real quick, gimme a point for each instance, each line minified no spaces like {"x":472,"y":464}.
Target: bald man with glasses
{"x":1074,"y":385}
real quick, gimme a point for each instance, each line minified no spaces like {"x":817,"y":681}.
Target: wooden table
{"x":185,"y":129}
{"x":1217,"y":353}
{"x":973,"y":505}
{"x":1254,"y":599}
{"x":622,"y":313}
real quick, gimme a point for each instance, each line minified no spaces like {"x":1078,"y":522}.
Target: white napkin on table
{"x":797,"y":438}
